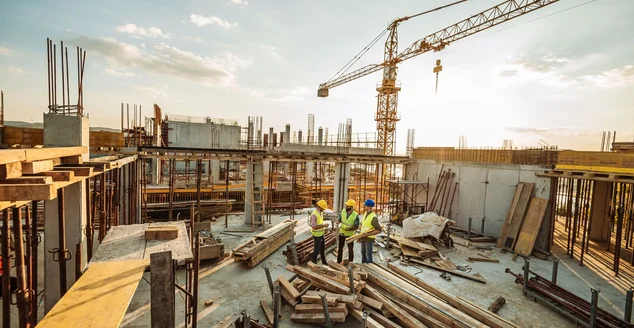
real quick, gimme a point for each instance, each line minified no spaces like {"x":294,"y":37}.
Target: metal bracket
{"x":56,"y":251}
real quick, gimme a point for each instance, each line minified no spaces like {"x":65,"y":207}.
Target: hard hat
{"x":351,"y":203}
{"x":322,"y":203}
{"x":369,"y":203}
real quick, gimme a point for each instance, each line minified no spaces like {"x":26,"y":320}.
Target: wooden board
{"x":11,"y":170}
{"x":530,"y":229}
{"x":161,"y":233}
{"x":509,"y":215}
{"x":482,"y":259}
{"x":20,"y":192}
{"x":518,"y":216}
{"x":409,"y":251}
{"x":29,"y":180}
{"x":477,"y":278}
{"x":317,"y":317}
{"x":319,"y":308}
{"x":268,"y":312}
{"x":369,"y":323}
{"x":315,"y":299}
{"x":108,"y":287}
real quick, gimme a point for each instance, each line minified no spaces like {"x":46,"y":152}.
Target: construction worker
{"x":316,"y":223}
{"x":349,"y":223}
{"x":368,"y":223}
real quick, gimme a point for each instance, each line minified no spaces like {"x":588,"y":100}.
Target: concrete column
{"x":600,"y":207}
{"x":254,"y":181}
{"x":155,"y":168}
{"x":215,"y":171}
{"x":310,"y":168}
{"x":342,"y":180}
{"x":64,"y":131}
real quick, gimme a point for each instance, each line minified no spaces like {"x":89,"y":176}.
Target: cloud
{"x":550,"y":131}
{"x":193,"y":39}
{"x":112,"y":71}
{"x":201,"y":21}
{"x":163,"y":59}
{"x":553,"y":59}
{"x":613,"y":78}
{"x":140,"y":32}
{"x":522,"y":70}
{"x":271,"y":51}
{"x":240,"y":3}
{"x":158,"y":91}
{"x":289,"y":94}
{"x":15,"y":70}
{"x":4,"y":51}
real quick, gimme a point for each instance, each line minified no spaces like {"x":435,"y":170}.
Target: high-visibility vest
{"x":366,"y":223}
{"x":347,"y":222}
{"x":320,"y":220}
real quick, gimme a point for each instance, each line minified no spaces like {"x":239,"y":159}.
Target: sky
{"x":559,"y":75}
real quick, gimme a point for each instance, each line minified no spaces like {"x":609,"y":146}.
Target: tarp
{"x":426,"y":224}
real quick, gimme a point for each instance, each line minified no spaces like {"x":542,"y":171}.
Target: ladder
{"x":257,"y":200}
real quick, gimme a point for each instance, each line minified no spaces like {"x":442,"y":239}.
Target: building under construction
{"x":104,"y":228}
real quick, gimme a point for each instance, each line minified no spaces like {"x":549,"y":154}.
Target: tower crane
{"x":387,"y":100}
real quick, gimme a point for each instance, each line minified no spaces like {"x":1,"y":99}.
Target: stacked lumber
{"x":411,"y":302}
{"x":419,"y":253}
{"x":523,"y":221}
{"x":305,"y":248}
{"x":262,"y":245}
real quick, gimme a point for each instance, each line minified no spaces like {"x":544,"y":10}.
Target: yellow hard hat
{"x":322,"y":203}
{"x":351,"y":203}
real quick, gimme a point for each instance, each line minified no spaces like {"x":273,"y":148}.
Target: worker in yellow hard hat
{"x":316,"y":223}
{"x":348,"y":221}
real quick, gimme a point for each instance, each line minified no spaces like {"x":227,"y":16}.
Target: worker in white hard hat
{"x":317,"y":226}
{"x":348,"y":221}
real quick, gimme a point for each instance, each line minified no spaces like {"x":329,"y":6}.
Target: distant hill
{"x":39,"y":125}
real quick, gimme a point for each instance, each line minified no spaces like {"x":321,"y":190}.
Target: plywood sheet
{"x":518,"y":216}
{"x":530,"y":229}
{"x":509,"y":216}
{"x":99,"y":298}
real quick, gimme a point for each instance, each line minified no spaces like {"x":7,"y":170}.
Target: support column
{"x":310,"y":169}
{"x":155,"y":169}
{"x":254,"y":184}
{"x":600,"y":206}
{"x":215,"y":171}
{"x":64,"y":131}
{"x":342,"y":180}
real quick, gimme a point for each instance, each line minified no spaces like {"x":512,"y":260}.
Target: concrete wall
{"x":203,"y":135}
{"x":290,"y":147}
{"x":484,"y":190}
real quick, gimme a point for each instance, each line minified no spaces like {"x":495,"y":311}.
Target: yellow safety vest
{"x":320,"y":220}
{"x":347,"y":222}
{"x":366,"y":223}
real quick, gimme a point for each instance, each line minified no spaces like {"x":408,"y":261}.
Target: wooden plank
{"x":530,"y":229}
{"x":317,"y":317}
{"x":227,"y":322}
{"x":37,"y":154}
{"x":383,"y":320}
{"x":314,"y":299}
{"x":369,"y":323}
{"x":405,"y":317}
{"x":108,"y":287}
{"x":348,"y":299}
{"x":161,"y":233}
{"x":12,"y":155}
{"x":482,"y":259}
{"x":450,"y":299}
{"x":518,"y":216}
{"x":37,"y":167}
{"x":358,"y":275}
{"x":320,"y":281}
{"x":29,"y":180}
{"x":11,"y":170}
{"x":319,"y":308}
{"x":416,"y":313}
{"x":288,"y":287}
{"x":455,"y":273}
{"x":79,"y":171}
{"x":78,"y":159}
{"x":23,"y":192}
{"x":509,"y":215}
{"x":162,"y":290}
{"x":270,"y":316}
{"x":485,"y":312}
{"x":409,"y":251}
{"x":60,"y":176}
{"x":370,"y":302}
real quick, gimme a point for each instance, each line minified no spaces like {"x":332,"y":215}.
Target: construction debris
{"x":167,"y":232}
{"x":497,"y":304}
{"x":262,"y":245}
{"x":305,"y":248}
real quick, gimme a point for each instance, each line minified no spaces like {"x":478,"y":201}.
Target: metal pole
{"x":482,"y":227}
{"x":226,"y":194}
{"x":351,"y":280}
{"x":555,"y":267}
{"x":268,"y":278}
{"x":469,"y":229}
{"x":6,"y":278}
{"x":526,"y":271}
{"x":628,"y":305}
{"x":324,"y":303}
{"x":594,"y":305}
{"x":61,"y":251}
{"x":22,"y":293}
{"x":388,"y":228}
{"x":277,"y":301}
{"x":195,"y":280}
{"x":35,"y":240}
{"x":364,"y":318}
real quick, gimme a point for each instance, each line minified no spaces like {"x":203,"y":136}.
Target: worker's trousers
{"x":366,"y":251}
{"x":319,"y":248}
{"x":342,"y":243}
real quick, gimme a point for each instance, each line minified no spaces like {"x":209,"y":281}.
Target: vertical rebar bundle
{"x":67,"y":107}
